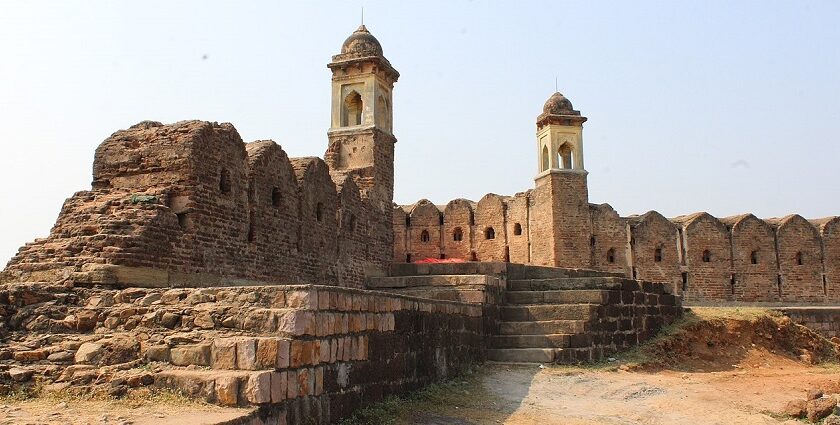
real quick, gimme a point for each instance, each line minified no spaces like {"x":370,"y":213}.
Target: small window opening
{"x":183,"y":220}
{"x":798,"y":258}
{"x":424,"y":236}
{"x":457,"y":234}
{"x":657,"y":255}
{"x":473,"y":256}
{"x":611,"y":255}
{"x":407,"y":258}
{"x":319,"y":211}
{"x":732,"y":283}
{"x":754,"y":257}
{"x":684,"y":281}
{"x":707,"y":256}
{"x":224,"y":181}
{"x":517,"y":229}
{"x":489,"y":233}
{"x":276,"y":197}
{"x":592,"y":242}
{"x":442,"y":256}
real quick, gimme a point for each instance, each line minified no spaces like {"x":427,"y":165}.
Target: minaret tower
{"x":361,"y":141}
{"x":560,"y":201}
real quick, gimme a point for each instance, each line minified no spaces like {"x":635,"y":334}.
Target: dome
{"x":362,"y":42}
{"x":557,"y":104}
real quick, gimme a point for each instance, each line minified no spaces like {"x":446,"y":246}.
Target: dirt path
{"x":525,"y":395}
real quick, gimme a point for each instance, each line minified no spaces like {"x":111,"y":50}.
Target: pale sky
{"x":718,"y":106}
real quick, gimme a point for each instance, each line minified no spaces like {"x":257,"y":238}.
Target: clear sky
{"x":717,"y":106}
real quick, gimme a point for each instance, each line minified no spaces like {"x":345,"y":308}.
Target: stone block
{"x":303,"y":299}
{"x":246,"y":354}
{"x":185,"y":355}
{"x":279,"y":389}
{"x":258,"y":388}
{"x":283,"y":353}
{"x":267,"y":355}
{"x":292,"y":387}
{"x":227,"y":390}
{"x":306,"y":382}
{"x":224,"y":353}
{"x":157,"y":353}
{"x":88,"y":352}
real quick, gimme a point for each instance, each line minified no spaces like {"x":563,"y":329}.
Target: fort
{"x":233,"y":273}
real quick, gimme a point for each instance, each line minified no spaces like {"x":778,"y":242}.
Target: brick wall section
{"x":273,"y":198}
{"x":571,"y":220}
{"x":797,"y":239}
{"x":823,"y":320}
{"x":400,"y":234}
{"x":830,"y":232}
{"x":459,"y":215}
{"x":650,"y":232}
{"x":707,"y":256}
{"x":753,"y":282}
{"x":424,"y":217}
{"x":194,"y":204}
{"x":490,"y":230}
{"x":610,"y":236}
{"x":517,"y":214}
{"x":353,"y":229}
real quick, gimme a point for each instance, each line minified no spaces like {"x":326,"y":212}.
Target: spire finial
{"x":363,"y":15}
{"x":555,"y":84}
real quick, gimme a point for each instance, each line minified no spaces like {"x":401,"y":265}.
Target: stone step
{"x":239,"y":388}
{"x":543,"y":272}
{"x":520,"y":313}
{"x":555,"y":284}
{"x":544,"y":327}
{"x":531,"y":341}
{"x":571,"y":296}
{"x":542,"y":355}
{"x":432,"y":280}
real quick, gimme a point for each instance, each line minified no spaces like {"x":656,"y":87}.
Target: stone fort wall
{"x":190,"y":204}
{"x":740,"y":258}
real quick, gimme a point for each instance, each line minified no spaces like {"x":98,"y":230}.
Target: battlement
{"x":740,"y":258}
{"x":190,"y":204}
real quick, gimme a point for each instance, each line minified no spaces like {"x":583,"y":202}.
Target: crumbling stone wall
{"x":190,"y":204}
{"x":457,"y":235}
{"x":830,"y":232}
{"x":754,"y":261}
{"x":656,"y":258}
{"x":707,"y":255}
{"x":490,"y":229}
{"x":424,"y":231}
{"x":608,"y":245}
{"x":518,"y":228}
{"x":799,"y":250}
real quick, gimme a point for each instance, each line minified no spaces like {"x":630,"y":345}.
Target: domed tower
{"x":361,"y":141}
{"x":561,"y":197}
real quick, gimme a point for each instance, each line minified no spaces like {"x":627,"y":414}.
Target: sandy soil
{"x":525,"y":395}
{"x":100,"y":412}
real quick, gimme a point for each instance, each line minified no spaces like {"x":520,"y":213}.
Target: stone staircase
{"x":546,"y":314}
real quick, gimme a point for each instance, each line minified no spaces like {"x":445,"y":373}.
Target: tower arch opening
{"x":352,"y":110}
{"x":565,"y":156}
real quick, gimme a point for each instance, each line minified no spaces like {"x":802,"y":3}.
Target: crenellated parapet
{"x":189,"y":203}
{"x":739,"y":259}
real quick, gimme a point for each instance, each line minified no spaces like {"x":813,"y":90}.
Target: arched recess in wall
{"x":457,"y":234}
{"x":383,"y":113}
{"x":424,"y":236}
{"x":565,"y":156}
{"x":545,"y":159}
{"x":517,"y":229}
{"x":489,"y":233}
{"x":352,"y":110}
